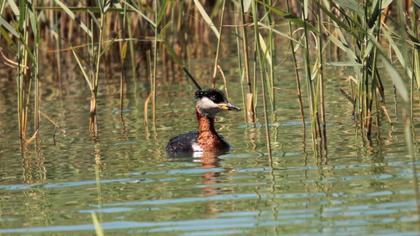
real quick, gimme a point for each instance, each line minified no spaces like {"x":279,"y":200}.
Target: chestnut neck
{"x":205,"y":123}
{"x":208,"y":139}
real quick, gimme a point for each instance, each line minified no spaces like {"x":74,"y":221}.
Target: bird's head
{"x":212,"y":101}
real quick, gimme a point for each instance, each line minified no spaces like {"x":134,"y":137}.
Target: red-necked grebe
{"x":209,"y":103}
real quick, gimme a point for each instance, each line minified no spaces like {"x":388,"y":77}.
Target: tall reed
{"x":27,"y":47}
{"x":250,"y":108}
{"x":261,"y":50}
{"x":297,"y":77}
{"x":309,"y":82}
{"x":219,"y":40}
{"x":361,"y":30}
{"x":321,"y":81}
{"x":96,"y":50}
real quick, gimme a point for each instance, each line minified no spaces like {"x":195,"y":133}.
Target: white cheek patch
{"x":206,"y":103}
{"x":207,"y":106}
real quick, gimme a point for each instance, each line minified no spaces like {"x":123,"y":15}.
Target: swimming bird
{"x":206,"y":139}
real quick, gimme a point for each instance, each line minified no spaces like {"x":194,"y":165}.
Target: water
{"x":127,"y":180}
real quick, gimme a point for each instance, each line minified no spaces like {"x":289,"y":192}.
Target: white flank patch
{"x":196,"y":147}
{"x":197,"y":155}
{"x":197,"y":150}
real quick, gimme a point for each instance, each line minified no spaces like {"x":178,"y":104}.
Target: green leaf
{"x":375,"y":16}
{"x":8,"y":27}
{"x":34,"y":22}
{"x":207,"y":18}
{"x":162,"y":13}
{"x":22,"y":14}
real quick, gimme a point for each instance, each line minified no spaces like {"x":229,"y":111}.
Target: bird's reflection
{"x":210,"y":161}
{"x":209,"y":179}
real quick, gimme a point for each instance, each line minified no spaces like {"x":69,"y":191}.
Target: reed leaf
{"x":33,"y":22}
{"x":343,"y":46}
{"x":344,"y":64}
{"x":386,"y":3}
{"x":14,"y":7}
{"x":306,"y":8}
{"x":10,"y":29}
{"x":285,"y":35}
{"x":351,"y":5}
{"x":290,"y":17}
{"x":396,"y":49}
{"x":84,"y":9}
{"x":85,"y":75}
{"x":22,"y":14}
{"x":247,"y":5}
{"x":342,"y":25}
{"x":393,"y":73}
{"x":207,"y":18}
{"x":162,"y":12}
{"x":140,"y":13}
{"x":98,"y":228}
{"x":6,"y":36}
{"x":73,"y":17}
{"x":417,"y":66}
{"x":265,"y":50}
{"x":395,"y":77}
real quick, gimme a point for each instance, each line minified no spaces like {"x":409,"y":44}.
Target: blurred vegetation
{"x":148,"y":42}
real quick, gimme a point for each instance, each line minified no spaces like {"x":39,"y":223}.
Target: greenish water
{"x":126,"y":178}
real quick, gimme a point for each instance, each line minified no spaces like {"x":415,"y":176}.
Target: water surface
{"x":126,"y":179}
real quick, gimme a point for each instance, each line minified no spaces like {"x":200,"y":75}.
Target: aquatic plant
{"x":145,"y":35}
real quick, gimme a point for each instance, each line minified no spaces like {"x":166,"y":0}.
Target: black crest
{"x":215,"y":95}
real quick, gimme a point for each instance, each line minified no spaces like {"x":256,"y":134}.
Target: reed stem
{"x":296,"y":68}
{"x":155,"y":55}
{"x":261,"y":62}
{"x":249,"y":109}
{"x":310,"y":86}
{"x":216,"y":58}
{"x":321,"y":80}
